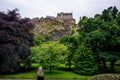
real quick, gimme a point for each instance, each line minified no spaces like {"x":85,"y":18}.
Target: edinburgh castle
{"x":66,"y":16}
{"x":55,"y":27}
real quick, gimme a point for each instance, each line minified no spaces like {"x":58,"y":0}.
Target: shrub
{"x":84,"y":61}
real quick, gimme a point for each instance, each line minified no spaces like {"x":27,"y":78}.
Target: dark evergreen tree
{"x":15,"y":40}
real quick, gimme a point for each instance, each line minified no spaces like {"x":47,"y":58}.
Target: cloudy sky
{"x":39,"y":8}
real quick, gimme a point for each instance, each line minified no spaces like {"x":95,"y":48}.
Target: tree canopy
{"x":15,"y":40}
{"x":84,"y":61}
{"x":102,"y":33}
{"x":49,"y":54}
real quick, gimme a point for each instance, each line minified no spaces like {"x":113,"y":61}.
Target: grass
{"x":65,"y":74}
{"x":55,"y":74}
{"x":28,"y":74}
{"x":117,"y":67}
{"x":61,"y":72}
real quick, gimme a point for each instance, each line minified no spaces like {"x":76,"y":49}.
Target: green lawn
{"x":117,"y":67}
{"x":64,"y":74}
{"x":60,"y":72}
{"x":55,"y":74}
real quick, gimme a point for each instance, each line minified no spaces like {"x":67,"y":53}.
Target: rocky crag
{"x":54,"y":27}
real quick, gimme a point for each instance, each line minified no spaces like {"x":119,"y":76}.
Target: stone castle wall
{"x":66,"y":16}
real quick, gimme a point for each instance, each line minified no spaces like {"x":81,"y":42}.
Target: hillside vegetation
{"x":52,"y":28}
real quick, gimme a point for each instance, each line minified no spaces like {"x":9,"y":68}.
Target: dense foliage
{"x":85,"y":61}
{"x":102,"y":33}
{"x":72,"y":43}
{"x":49,"y":54}
{"x":15,"y":40}
{"x":38,"y":39}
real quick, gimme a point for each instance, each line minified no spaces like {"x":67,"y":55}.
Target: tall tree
{"x":49,"y":54}
{"x":71,"y":42}
{"x":84,"y":61}
{"x":102,"y":32}
{"x":15,"y":40}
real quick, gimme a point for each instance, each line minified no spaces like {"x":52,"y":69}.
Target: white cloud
{"x":39,"y":8}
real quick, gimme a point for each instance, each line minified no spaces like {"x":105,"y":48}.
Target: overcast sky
{"x":39,"y":8}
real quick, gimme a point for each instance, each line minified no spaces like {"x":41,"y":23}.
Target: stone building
{"x":66,"y":16}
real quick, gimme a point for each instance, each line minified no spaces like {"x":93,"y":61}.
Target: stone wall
{"x":65,"y":16}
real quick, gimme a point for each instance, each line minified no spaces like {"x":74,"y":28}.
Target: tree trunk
{"x":104,"y":64}
{"x":50,"y":69}
{"x":112,"y":66}
{"x":69,"y":63}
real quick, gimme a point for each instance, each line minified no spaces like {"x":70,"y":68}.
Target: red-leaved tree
{"x":15,"y":40}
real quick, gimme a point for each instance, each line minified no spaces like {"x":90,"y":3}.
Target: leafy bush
{"x":84,"y":62}
{"x":38,"y":39}
{"x":49,"y":54}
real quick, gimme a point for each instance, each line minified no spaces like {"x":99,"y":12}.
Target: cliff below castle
{"x":53,"y":27}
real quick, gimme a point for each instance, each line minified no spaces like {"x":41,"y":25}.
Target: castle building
{"x":66,"y":16}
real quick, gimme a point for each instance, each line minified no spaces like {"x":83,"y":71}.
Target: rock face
{"x":106,"y":77}
{"x":54,"y":27}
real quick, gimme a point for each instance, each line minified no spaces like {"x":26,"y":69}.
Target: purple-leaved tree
{"x":15,"y":40}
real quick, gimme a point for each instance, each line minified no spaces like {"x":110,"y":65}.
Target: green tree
{"x":84,"y":61}
{"x":102,"y":32}
{"x":49,"y":54}
{"x":72,"y":43}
